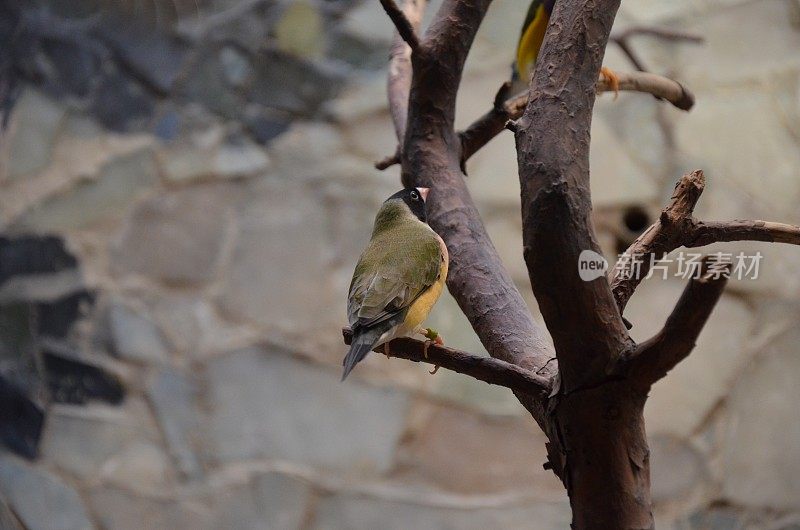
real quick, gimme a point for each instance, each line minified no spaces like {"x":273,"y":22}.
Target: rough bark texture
{"x":589,"y":403}
{"x":553,"y":155}
{"x":431,"y":157}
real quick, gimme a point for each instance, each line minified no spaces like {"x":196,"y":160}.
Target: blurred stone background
{"x":185,"y":188}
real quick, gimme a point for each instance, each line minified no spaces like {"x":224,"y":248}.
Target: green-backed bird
{"x":398,"y":278}
{"x":530,"y":42}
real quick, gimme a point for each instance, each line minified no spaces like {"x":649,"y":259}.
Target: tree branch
{"x":654,"y":358}
{"x":405,"y":28}
{"x":552,"y":141}
{"x":430,"y":151}
{"x":704,"y":233}
{"x":622,"y":39}
{"x":485,"y":128}
{"x":398,"y":83}
{"x":486,"y":369}
{"x":677,"y":228}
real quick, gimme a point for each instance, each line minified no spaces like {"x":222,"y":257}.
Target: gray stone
{"x":510,"y":450}
{"x":192,"y":158}
{"x":35,"y":126}
{"x":135,"y":336}
{"x":80,"y":439}
{"x":69,"y":69}
{"x":616,"y":177}
{"x":363,"y":513}
{"x":281,"y":224}
{"x":761,"y":448}
{"x":103,"y":198}
{"x":283,"y":82}
{"x":679,"y":403}
{"x":204,"y":84}
{"x":494,"y":179}
{"x":42,"y":287}
{"x":653,"y":11}
{"x":368,"y":22}
{"x":239,"y":157}
{"x":265,"y":125}
{"x":505,"y":229}
{"x":359,"y":100}
{"x":139,"y":466}
{"x":712,"y":137}
{"x":174,"y":397}
{"x":154,"y":56}
{"x":117,"y":509}
{"x":177,"y":237}
{"x":120,"y":103}
{"x":235,"y":66}
{"x":306,"y":150}
{"x":714,"y":518}
{"x":195,"y":328}
{"x":637,"y":121}
{"x":372,"y":137}
{"x":42,"y":501}
{"x":351,"y":426}
{"x":727,"y":58}
{"x":675,"y":467}
{"x":8,"y":521}
{"x":271,"y":500}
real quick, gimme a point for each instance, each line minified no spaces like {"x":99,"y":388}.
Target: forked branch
{"x":676,"y":227}
{"x":654,"y":358}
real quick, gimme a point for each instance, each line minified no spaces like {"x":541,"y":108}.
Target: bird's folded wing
{"x":389,"y":287}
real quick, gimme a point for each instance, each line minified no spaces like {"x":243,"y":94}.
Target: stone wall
{"x":183,"y":199}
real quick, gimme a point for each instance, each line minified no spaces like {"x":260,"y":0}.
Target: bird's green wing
{"x":390,"y":275}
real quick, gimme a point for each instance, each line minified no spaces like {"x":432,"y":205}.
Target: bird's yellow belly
{"x":419,"y":310}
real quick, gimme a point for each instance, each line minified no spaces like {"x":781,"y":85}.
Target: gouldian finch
{"x":398,"y":278}
{"x":530,"y":42}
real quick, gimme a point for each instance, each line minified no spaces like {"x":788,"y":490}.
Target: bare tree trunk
{"x":590,"y":402}
{"x":601,"y":436}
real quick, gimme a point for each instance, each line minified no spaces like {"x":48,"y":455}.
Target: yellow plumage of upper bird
{"x":530,"y":42}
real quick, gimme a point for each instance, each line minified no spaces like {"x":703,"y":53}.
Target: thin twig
{"x":622,"y":39}
{"x":398,"y":82}
{"x":486,"y":369}
{"x":404,"y":26}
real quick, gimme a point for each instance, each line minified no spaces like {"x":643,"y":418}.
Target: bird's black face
{"x":414,"y":198}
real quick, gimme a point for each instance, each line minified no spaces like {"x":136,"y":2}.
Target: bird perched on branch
{"x":530,"y":42}
{"x":398,"y":278}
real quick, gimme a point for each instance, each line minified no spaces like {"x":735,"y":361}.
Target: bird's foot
{"x":612,"y":78}
{"x":386,"y":351}
{"x":433,"y":338}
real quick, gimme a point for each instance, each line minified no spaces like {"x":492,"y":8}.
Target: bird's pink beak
{"x":424,"y":193}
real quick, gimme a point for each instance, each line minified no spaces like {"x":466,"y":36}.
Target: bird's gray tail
{"x":359,"y":348}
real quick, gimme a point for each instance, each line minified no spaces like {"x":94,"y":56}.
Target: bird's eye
{"x":414,"y":196}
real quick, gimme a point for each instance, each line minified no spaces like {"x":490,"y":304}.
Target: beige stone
{"x":761,"y":448}
{"x":493,"y":455}
{"x":680,"y":402}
